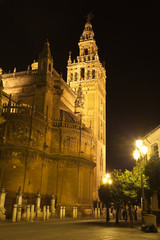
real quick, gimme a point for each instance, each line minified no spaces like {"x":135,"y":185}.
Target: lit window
{"x":88,"y":74}
{"x":71,"y":77}
{"x":93,"y":74}
{"x":75,"y":77}
{"x":86,"y":51}
{"x":155,"y":150}
{"x":82,"y":73}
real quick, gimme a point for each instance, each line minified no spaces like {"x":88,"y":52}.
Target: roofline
{"x":155,"y":129}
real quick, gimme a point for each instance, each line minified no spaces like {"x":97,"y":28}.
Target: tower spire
{"x":89,"y":17}
{"x":69,"y":59}
{"x":45,"y":61}
{"x":46,"y":52}
{"x":88,"y":33}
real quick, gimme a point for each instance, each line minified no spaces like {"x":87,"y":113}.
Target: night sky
{"x":128,"y":37}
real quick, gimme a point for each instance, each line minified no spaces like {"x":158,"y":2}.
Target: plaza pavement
{"x":68,"y":229}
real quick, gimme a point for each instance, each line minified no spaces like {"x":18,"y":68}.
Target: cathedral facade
{"x":52,"y":132}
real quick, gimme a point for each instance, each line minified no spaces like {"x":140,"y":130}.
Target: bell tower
{"x":88,"y":72}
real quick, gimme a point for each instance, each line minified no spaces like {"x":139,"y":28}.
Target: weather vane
{"x":89,"y":17}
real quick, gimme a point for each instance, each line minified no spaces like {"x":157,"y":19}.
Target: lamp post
{"x":139,"y":155}
{"x":107,"y":180}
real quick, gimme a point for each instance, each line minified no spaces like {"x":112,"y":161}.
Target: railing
{"x":27,"y":110}
{"x":17,"y":108}
{"x":89,"y":57}
{"x":76,"y":125}
{"x":21,"y":109}
{"x":19,"y":74}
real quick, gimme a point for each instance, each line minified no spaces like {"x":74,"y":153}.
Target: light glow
{"x":104,"y":180}
{"x":107,"y":175}
{"x":144,"y":150}
{"x":136,"y":154}
{"x":110,"y":181}
{"x":139,"y":143}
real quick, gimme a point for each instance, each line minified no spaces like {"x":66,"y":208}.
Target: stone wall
{"x":69,"y":178}
{"x":50,"y":156}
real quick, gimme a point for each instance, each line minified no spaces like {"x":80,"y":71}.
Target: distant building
{"x":52,"y":133}
{"x":152,"y":141}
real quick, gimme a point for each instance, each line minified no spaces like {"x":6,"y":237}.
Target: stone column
{"x":32,"y":213}
{"x":53,"y":210}
{"x":76,"y":212}
{"x":99,"y":212}
{"x":74,"y":215}
{"x":47,"y":213}
{"x":95,"y":212}
{"x":19,"y":213}
{"x":19,"y":197}
{"x":14,"y":215}
{"x":28,"y":213}
{"x":2,"y":202}
{"x":44,"y":212}
{"x":61,"y":212}
{"x":38,"y":203}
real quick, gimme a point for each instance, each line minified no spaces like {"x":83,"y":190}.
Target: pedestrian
{"x":123,"y":213}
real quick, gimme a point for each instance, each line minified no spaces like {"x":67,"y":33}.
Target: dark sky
{"x":128,"y":37}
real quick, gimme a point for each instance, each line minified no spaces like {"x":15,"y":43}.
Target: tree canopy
{"x":125,"y":187}
{"x":152,"y":173}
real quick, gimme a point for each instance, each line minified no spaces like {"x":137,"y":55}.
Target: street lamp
{"x":107,"y":179}
{"x":139,"y":144}
{"x":139,"y":154}
{"x":107,"y":175}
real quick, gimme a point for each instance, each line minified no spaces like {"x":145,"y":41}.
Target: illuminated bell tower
{"x":88,"y":72}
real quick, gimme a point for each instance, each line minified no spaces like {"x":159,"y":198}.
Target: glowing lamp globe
{"x":110,"y":181}
{"x":104,"y":180}
{"x":144,"y":150}
{"x":107,"y":175}
{"x":136,"y":154}
{"x":139,"y":143}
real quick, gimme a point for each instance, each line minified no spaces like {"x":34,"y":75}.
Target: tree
{"x":117,"y":191}
{"x":105,"y":196}
{"x":152,"y":172}
{"x":112,"y":193}
{"x":125,"y":189}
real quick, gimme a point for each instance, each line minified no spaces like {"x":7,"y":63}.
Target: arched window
{"x":86,"y":51}
{"x":75,"y":77}
{"x":88,"y":74}
{"x":82,"y":73}
{"x":71,"y":78}
{"x":93,"y":73}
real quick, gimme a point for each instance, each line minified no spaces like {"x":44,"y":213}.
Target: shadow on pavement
{"x":121,"y":224}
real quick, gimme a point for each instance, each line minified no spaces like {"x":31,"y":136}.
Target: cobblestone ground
{"x":72,"y":230}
